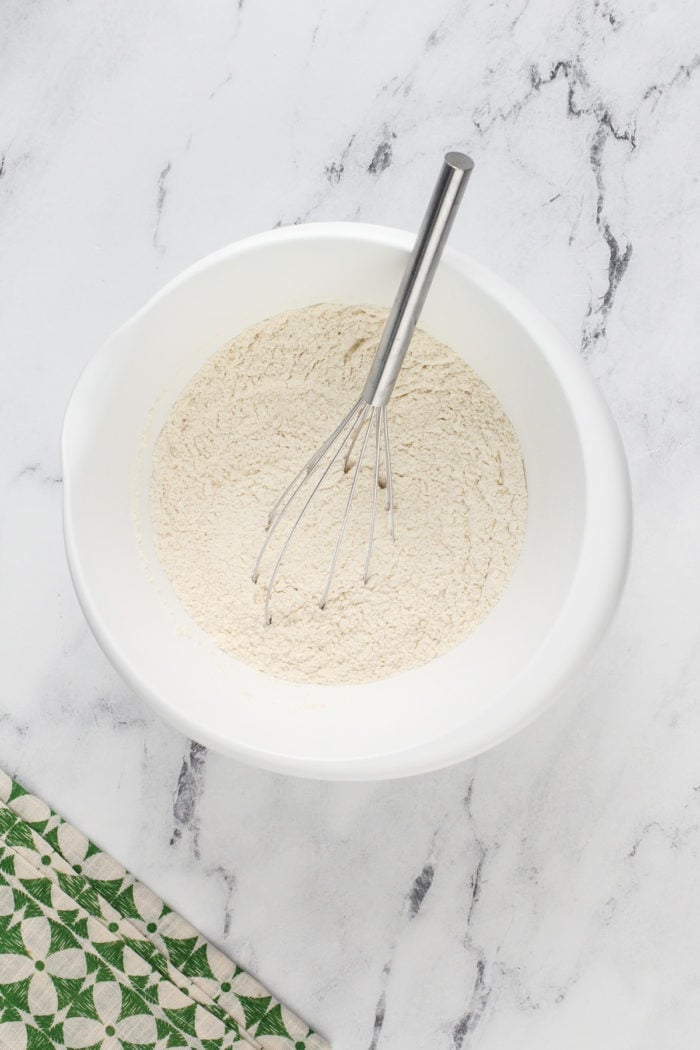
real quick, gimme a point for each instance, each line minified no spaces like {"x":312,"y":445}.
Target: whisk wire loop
{"x":361,"y":420}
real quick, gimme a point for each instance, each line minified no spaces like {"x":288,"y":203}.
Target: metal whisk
{"x":369,"y":413}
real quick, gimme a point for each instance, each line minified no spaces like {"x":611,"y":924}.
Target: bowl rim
{"x":596,"y":585}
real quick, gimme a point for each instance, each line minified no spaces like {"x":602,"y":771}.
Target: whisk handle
{"x":417,"y":278}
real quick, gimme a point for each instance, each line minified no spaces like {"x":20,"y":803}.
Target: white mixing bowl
{"x":565,"y":587}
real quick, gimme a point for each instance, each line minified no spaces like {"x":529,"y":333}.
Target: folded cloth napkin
{"x":89,"y":957}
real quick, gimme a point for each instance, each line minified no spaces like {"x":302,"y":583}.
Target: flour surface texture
{"x":245,"y":425}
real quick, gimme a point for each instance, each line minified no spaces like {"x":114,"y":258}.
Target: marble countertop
{"x":545,"y":894}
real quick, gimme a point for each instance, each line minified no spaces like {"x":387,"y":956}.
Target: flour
{"x":241,"y":430}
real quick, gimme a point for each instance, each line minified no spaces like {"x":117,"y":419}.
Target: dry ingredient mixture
{"x":243,"y":427}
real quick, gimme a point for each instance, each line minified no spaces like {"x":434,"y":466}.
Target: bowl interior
{"x":451,"y":707}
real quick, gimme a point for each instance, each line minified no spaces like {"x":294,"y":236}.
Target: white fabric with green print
{"x":91,"y":958}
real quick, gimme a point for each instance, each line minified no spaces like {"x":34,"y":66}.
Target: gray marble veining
{"x":544,"y":895}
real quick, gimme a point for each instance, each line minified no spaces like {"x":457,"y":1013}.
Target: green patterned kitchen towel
{"x":91,"y":958}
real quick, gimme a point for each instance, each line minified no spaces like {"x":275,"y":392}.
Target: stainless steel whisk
{"x":369,"y":413}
